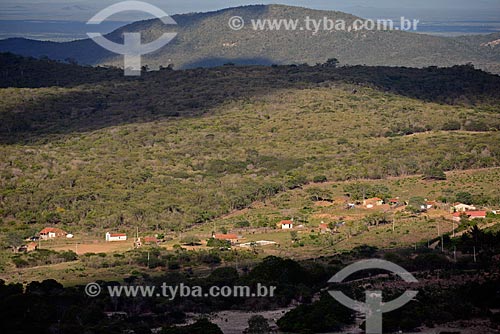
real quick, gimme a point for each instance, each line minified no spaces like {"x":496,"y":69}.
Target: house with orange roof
{"x":324,"y":227}
{"x":285,"y":224}
{"x":233,"y":238}
{"x":372,"y":202}
{"x":52,"y":233}
{"x":469,"y":214}
{"x":29,"y":247}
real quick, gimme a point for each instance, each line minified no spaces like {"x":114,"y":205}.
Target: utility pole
{"x":474,"y":254}
{"x":393,"y":221}
{"x":148,"y":259}
{"x":442,"y":244}
{"x":455,"y":253}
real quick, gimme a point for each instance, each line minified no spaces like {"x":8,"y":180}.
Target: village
{"x":282,"y":234}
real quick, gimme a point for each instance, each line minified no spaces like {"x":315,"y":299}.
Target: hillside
{"x":176,"y":148}
{"x":205,"y":39}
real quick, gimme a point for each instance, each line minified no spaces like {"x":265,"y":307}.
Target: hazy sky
{"x":82,"y":10}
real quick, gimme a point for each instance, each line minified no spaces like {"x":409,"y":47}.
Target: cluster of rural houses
{"x":458,"y":210}
{"x":461,"y":210}
{"x":45,"y":234}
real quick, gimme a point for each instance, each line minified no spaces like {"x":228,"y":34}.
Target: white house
{"x":460,"y":207}
{"x":372,"y":202}
{"x":116,"y":236}
{"x":286,"y":224}
{"x":52,"y":233}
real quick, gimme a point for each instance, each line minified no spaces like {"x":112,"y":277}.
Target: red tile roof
{"x":226,"y":236}
{"x":470,"y":214}
{"x":286,"y":222}
{"x":373,"y":199}
{"x":117,"y":235}
{"x":48,"y":230}
{"x":476,"y":213}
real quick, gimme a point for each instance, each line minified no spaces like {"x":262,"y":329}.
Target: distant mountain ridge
{"x":205,"y":39}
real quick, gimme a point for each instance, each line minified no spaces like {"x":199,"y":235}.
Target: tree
{"x":434,"y":173}
{"x":319,"y":194}
{"x":417,"y":204}
{"x":332,"y":62}
{"x":451,"y":126}
{"x":257,"y":324}
{"x":202,"y":326}
{"x":294,"y":236}
{"x":190,"y":240}
{"x":464,"y":197}
{"x":320,"y":179}
{"x":324,"y":315}
{"x":14,"y":240}
{"x":212,"y":242}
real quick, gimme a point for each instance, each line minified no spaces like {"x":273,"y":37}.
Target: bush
{"x":19,"y":262}
{"x":320,"y":179}
{"x":434,"y":174}
{"x":202,"y":326}
{"x":69,"y":256}
{"x":212,"y":242}
{"x":325,"y":315}
{"x":242,"y":224}
{"x":191,"y":240}
{"x":451,"y":126}
{"x":476,"y":126}
{"x":464,"y":197}
{"x":257,"y":324}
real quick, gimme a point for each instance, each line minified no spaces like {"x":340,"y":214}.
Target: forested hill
{"x":205,"y":39}
{"x":175,"y":148}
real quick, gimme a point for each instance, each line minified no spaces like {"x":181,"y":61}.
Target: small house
{"x":285,"y":224}
{"x":394,"y":201}
{"x":29,"y":247}
{"x":233,"y":238}
{"x":469,"y":214}
{"x":431,"y":205}
{"x":116,"y":236}
{"x":324,"y":228}
{"x":52,"y":233}
{"x":460,"y":207}
{"x":372,"y":202}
